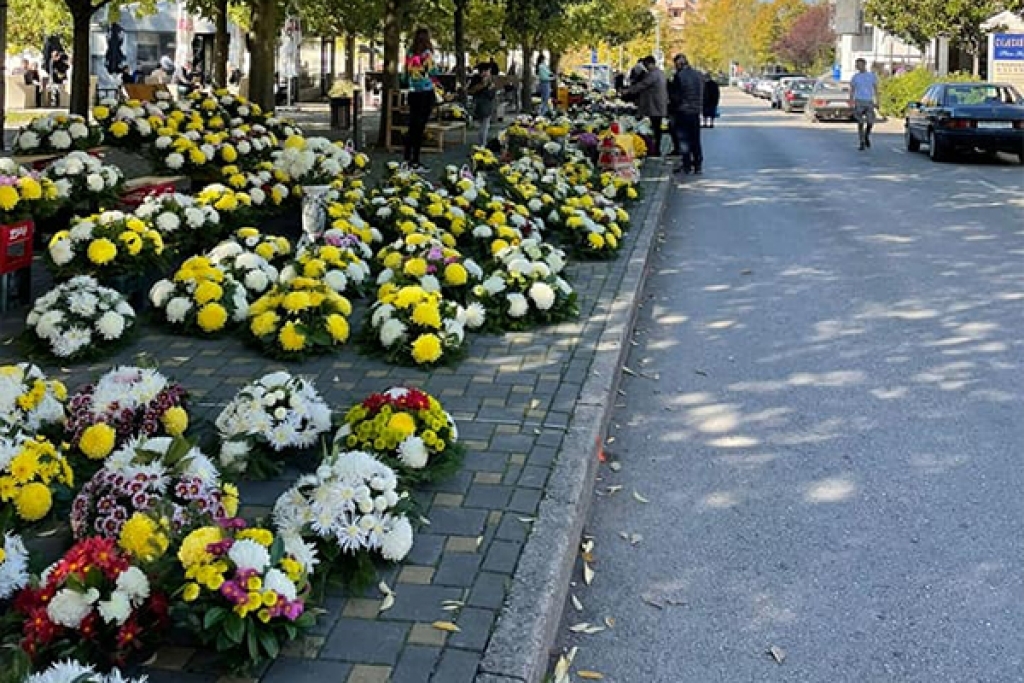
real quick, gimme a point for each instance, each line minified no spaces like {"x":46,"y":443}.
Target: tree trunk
{"x":262,"y":79}
{"x":220,"y":44}
{"x":3,"y":70}
{"x":394,"y":11}
{"x":556,"y":61}
{"x":526,"y":94}
{"x":460,"y":42}
{"x":350,"y":56}
{"x":81,"y":15}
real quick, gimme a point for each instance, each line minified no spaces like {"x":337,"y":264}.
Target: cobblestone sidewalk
{"x":512,"y":397}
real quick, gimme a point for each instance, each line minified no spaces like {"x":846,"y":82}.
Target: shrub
{"x":896,"y":92}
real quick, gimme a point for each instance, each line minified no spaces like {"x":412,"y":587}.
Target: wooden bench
{"x":438,"y":130}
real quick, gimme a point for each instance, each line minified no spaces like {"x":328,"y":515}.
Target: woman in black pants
{"x":419,"y":67}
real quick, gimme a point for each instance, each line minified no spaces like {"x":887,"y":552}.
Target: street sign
{"x":593,"y":55}
{"x":1006,"y":58}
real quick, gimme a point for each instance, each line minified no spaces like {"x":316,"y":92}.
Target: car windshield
{"x":802,"y":86}
{"x":979,"y":93}
{"x":833,"y":87}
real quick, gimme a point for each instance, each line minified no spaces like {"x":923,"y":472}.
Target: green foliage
{"x":896,"y":92}
{"x":30,"y":21}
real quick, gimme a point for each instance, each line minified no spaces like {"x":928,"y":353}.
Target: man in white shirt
{"x":863,"y":97}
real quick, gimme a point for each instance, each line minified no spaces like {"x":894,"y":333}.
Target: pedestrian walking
{"x":544,"y":80}
{"x":481,"y":87}
{"x":712,"y":96}
{"x":637,"y":73}
{"x":689,"y":106}
{"x":673,"y":117}
{"x":420,"y":70}
{"x":863,"y":98}
{"x":651,"y":98}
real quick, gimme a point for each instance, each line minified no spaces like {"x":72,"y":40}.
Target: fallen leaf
{"x":453,"y":603}
{"x":446,"y":626}
{"x":451,"y":608}
{"x":576,"y":603}
{"x":587,"y":546}
{"x":384,"y":588}
{"x":624,"y":535}
{"x":777,"y":653}
{"x":614,"y":489}
{"x":610,"y":439}
{"x":337,"y":379}
{"x":387,"y":603}
{"x":479,"y":541}
{"x":634,"y":539}
{"x":609,"y":622}
{"x":628,"y":371}
{"x":639,"y":498}
{"x":588,"y":574}
{"x":701,"y":373}
{"x":615,"y":466}
{"x":590,"y":675}
{"x":652,"y":602}
{"x":563,"y":665}
{"x":580,"y":627}
{"x":746,"y":271}
{"x":534,"y":403}
{"x":527,"y":520}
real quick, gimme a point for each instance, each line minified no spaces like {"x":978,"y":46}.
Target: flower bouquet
{"x":275,"y":414}
{"x":184,"y":224}
{"x":29,"y":402}
{"x":72,"y":671}
{"x":131,"y":124}
{"x":234,"y":206}
{"x":411,"y":326}
{"x":84,"y":180}
{"x":408,"y":429}
{"x":299,"y":317}
{"x":92,"y":604}
{"x":126,"y":402}
{"x":57,"y":134}
{"x":484,"y":159}
{"x":32,"y":473}
{"x":109,"y":246}
{"x":351,"y":509}
{"x":312,"y":161}
{"x":200,"y":299}
{"x":273,"y":248}
{"x":419,"y":260}
{"x":184,"y":153}
{"x":245,"y":593}
{"x":80,"y":319}
{"x":266,"y":192}
{"x":592,"y":227}
{"x":23,"y":195}
{"x":13,"y":565}
{"x":247,"y":267}
{"x":163,"y":475}
{"x":336,"y":259}
{"x":526,"y":290}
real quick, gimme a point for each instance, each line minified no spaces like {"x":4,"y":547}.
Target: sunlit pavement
{"x":825,"y":410}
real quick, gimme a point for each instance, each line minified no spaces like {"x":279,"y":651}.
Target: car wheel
{"x":913,"y":144}
{"x":936,"y":150}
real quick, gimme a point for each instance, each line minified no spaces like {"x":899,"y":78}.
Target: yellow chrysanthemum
{"x":595,"y":240}
{"x":230,"y":499}
{"x":175,"y":420}
{"x":191,"y":592}
{"x":409,"y":296}
{"x":393,"y":260}
{"x":142,"y":537}
{"x":30,"y":188}
{"x":33,"y":502}
{"x":97,"y":441}
{"x":416,"y":267}
{"x":296,"y":301}
{"x":338,"y":328}
{"x":427,"y":314}
{"x":101,"y":251}
{"x":9,"y":197}
{"x":455,"y":274}
{"x":291,"y":338}
{"x":193,"y":548}
{"x":426,"y":349}
{"x":119,"y":129}
{"x":212,"y":317}
{"x":403,"y":423}
{"x":208,"y":291}
{"x":100,"y":112}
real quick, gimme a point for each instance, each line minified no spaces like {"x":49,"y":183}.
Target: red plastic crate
{"x":16,"y":246}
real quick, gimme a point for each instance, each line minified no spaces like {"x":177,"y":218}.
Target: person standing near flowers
{"x":651,"y":97}
{"x":420,"y":70}
{"x":481,"y":87}
{"x":689,"y":86}
{"x":544,"y":79}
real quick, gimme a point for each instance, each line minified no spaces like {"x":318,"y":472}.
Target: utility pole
{"x":3,"y":68}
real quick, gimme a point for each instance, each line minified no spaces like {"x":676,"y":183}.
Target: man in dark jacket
{"x":689,"y":89}
{"x":651,"y":97}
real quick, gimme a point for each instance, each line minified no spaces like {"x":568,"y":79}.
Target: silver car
{"x":829,"y":101}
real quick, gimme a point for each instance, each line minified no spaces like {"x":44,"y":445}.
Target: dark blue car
{"x":955,"y":117}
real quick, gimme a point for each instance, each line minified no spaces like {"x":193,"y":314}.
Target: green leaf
{"x":269,"y":642}
{"x":276,"y":550}
{"x":252,"y":642}
{"x":214,"y":616}
{"x":234,"y":628}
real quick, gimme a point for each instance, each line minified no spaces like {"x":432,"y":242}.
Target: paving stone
{"x":462,"y":544}
{"x":457,"y":666}
{"x":475,"y":625}
{"x":490,"y":496}
{"x":525,"y":501}
{"x":488,"y":591}
{"x":416,"y":575}
{"x":457,"y":570}
{"x":290,"y":670}
{"x":502,"y":556}
{"x":361,"y":608}
{"x":486,"y":478}
{"x":426,"y":634}
{"x":304,"y":647}
{"x":457,"y":521}
{"x":533,"y":477}
{"x":448,"y":500}
{"x":365,"y":641}
{"x":363,"y":673}
{"x":426,"y":549}
{"x":165,"y":676}
{"x":172,"y":658}
{"x":512,"y":529}
{"x":416,"y":665}
{"x":421,"y":603}
{"x":512,"y":474}
{"x":485,"y":462}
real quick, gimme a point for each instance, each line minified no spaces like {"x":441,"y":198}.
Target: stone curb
{"x":519,"y":647}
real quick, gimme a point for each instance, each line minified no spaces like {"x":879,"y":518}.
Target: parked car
{"x":953,"y":117}
{"x":765,"y":86}
{"x":780,"y":86}
{"x":829,"y":100}
{"x":795,"y":94}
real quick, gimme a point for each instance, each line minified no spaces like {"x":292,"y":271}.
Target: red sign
{"x":16,"y":246}
{"x":135,"y":196}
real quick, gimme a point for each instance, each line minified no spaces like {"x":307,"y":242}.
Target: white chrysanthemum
{"x":543,"y":295}
{"x":60,"y":140}
{"x":27,"y":140}
{"x":195,"y":217}
{"x":248,"y":554}
{"x":110,"y":325}
{"x":14,"y":567}
{"x":178,"y":308}
{"x":277,"y":581}
{"x":483,"y":231}
{"x":174,"y":160}
{"x":61,"y":252}
{"x":430,"y":283}
{"x":476,"y":315}
{"x":168,"y":222}
{"x":256,"y":281}
{"x":115,"y":610}
{"x":133,"y":582}
{"x":336,"y":280}
{"x":94,"y":182}
{"x":518,"y":306}
{"x":70,"y":342}
{"x":161,"y":292}
{"x":413,"y":452}
{"x":494,"y":285}
{"x":68,"y":608}
{"x":396,"y":542}
{"x":304,"y":553}
{"x":392,"y":331}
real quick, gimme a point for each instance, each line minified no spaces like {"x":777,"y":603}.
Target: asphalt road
{"x":826,"y":413}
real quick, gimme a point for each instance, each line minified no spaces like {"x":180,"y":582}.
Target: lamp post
{"x":659,"y":56}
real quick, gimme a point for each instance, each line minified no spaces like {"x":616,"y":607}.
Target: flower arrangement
{"x":411,"y":326}
{"x":593,"y":225}
{"x":23,"y":195}
{"x":408,"y":429}
{"x":13,"y":565}
{"x":526,"y":290}
{"x":200,"y":298}
{"x":163,"y":475}
{"x":183,"y":222}
{"x":185,"y":153}
{"x":245,"y":593}
{"x":79,"y":319}
{"x":416,"y":259}
{"x":32,"y":473}
{"x":29,"y":402}
{"x":247,"y":267}
{"x":274,"y":248}
{"x":71,"y":671}
{"x":57,"y":133}
{"x":129,"y":124}
{"x":85,"y":180}
{"x":126,"y":402}
{"x":233,"y":205}
{"x":107,"y":245}
{"x":92,"y":604}
{"x":312,"y":161}
{"x":337,"y":259}
{"x":298,"y":317}
{"x":484,"y":159}
{"x":352,"y":509}
{"x":266,"y":188}
{"x":274,"y":414}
